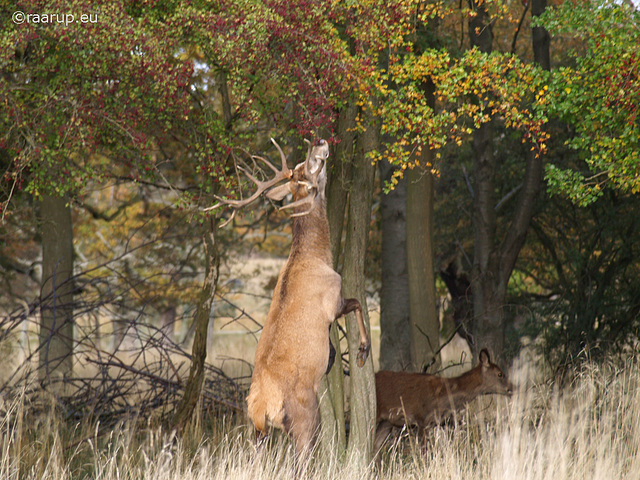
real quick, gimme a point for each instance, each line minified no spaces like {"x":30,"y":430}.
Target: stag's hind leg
{"x":301,"y":422}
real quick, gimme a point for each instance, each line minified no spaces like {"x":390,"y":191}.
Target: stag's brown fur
{"x":423,"y":400}
{"x":293,"y":349}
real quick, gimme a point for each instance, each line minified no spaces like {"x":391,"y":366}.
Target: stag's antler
{"x":280,"y":175}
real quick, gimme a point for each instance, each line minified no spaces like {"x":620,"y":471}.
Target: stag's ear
{"x":316,"y":157}
{"x":314,"y":164}
{"x":279,"y":192}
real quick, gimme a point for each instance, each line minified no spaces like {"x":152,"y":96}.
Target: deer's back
{"x":411,"y":398}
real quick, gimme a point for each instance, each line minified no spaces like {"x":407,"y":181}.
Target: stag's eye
{"x":500,"y":375}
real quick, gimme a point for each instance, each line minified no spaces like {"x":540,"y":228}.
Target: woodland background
{"x":483,"y":186}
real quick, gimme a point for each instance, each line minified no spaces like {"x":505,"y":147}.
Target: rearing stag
{"x":293,"y":349}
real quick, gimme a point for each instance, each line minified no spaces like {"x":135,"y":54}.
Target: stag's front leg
{"x":353,"y":305}
{"x":332,"y":354}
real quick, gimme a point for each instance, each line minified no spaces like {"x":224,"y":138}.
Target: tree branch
{"x":515,"y":36}
{"x":507,"y":197}
{"x":519,"y":225}
{"x":102,"y":215}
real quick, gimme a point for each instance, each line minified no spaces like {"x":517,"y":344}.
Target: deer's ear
{"x":484,"y":358}
{"x":279,"y":192}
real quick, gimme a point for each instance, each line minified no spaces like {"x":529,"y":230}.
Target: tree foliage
{"x":598,"y":96}
{"x":84,"y":100}
{"x":470,"y":90}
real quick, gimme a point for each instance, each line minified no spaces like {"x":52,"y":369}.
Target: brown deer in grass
{"x":423,"y":400}
{"x":293,"y":349}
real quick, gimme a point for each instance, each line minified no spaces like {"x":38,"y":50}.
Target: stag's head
{"x":305,"y":182}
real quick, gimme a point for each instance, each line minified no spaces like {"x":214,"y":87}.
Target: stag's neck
{"x":311,"y":233}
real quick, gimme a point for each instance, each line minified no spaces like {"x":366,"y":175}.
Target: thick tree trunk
{"x":362,"y":385}
{"x":339,"y":169}
{"x":493,"y":262}
{"x":333,"y":432}
{"x":480,"y":27}
{"x":193,"y":386}
{"x":487,"y":303}
{"x":425,"y":325}
{"x":56,"y":295}
{"x":395,"y":329}
{"x":540,"y":37}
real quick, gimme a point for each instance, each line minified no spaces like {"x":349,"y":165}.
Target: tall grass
{"x":590,"y":429}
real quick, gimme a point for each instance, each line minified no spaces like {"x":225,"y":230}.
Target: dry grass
{"x":590,"y":429}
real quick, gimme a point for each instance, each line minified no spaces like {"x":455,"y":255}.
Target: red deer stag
{"x":293,"y":349}
{"x":422,"y":400}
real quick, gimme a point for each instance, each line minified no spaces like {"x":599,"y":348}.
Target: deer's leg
{"x":261,"y":439}
{"x":353,"y":305}
{"x":332,"y":354}
{"x":301,"y":423}
{"x":383,"y":430}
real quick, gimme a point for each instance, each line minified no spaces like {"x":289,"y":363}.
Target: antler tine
{"x":228,"y":220}
{"x":267,"y":162}
{"x":280,"y":175}
{"x":282,"y":156}
{"x":309,"y":145}
{"x":303,"y":201}
{"x":213,"y":207}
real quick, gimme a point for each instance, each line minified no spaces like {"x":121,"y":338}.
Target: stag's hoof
{"x":363,"y":354}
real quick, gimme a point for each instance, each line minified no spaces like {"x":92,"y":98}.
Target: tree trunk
{"x":480,"y":27}
{"x":193,"y":386}
{"x":339,"y":169}
{"x":168,"y":322}
{"x":425,"y":325}
{"x":395,"y":329}
{"x":493,"y":262}
{"x":540,"y":37}
{"x":333,"y":433}
{"x":56,"y":295}
{"x":487,"y":303}
{"x":362,"y":385}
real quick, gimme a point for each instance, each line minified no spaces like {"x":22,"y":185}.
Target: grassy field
{"x":589,"y":429}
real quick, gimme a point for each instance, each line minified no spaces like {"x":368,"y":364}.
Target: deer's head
{"x":493,"y":378}
{"x":308,"y":180}
{"x":305,"y":182}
